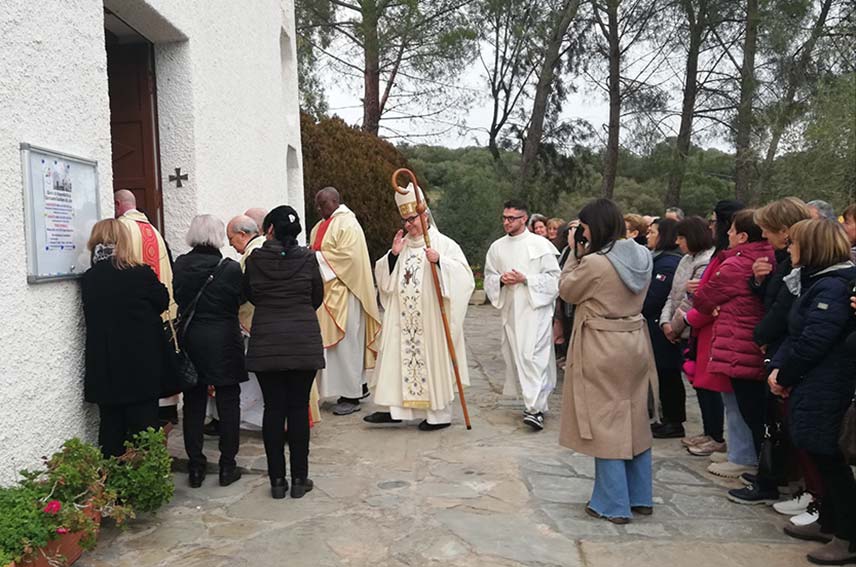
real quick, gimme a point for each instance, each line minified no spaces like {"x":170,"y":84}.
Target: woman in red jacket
{"x":733,"y":351}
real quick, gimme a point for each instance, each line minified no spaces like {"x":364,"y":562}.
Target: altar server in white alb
{"x":521,"y":279}
{"x":414,"y":377}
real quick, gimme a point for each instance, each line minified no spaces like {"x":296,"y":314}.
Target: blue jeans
{"x":741,"y":446}
{"x":620,"y":485}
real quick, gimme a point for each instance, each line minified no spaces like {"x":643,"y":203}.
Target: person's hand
{"x":763,"y":349}
{"x":715,"y":312}
{"x":432,"y":255}
{"x":772,"y":381}
{"x":853,"y":302}
{"x":761,"y":268}
{"x":519,"y":277}
{"x":512,"y":278}
{"x":670,"y":333}
{"x":692,"y":286}
{"x":398,"y":243}
{"x":211,"y":391}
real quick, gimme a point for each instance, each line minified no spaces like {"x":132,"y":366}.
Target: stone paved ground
{"x":499,"y":495}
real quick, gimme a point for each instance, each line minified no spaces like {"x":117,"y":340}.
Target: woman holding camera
{"x":605,"y":401}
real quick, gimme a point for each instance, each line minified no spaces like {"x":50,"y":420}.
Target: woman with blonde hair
{"x":637,"y":228}
{"x":815,"y":373}
{"x":125,"y":348}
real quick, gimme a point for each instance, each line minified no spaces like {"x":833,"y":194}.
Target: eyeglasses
{"x":410,"y":220}
{"x":512,"y":219}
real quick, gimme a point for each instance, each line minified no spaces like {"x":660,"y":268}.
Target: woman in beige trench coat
{"x":611,"y":364}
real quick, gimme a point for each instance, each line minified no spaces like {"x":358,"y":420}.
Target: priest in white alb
{"x":414,"y":376}
{"x":349,"y":318}
{"x":521,"y":279}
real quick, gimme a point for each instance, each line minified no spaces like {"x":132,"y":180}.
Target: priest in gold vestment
{"x":414,"y":377}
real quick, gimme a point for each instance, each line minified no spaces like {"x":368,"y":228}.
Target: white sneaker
{"x":805,"y":518}
{"x":718,"y":457}
{"x":794,"y":506}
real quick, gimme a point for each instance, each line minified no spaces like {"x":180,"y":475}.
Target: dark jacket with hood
{"x":284,"y":283}
{"x":815,"y":361}
{"x":213,"y":339}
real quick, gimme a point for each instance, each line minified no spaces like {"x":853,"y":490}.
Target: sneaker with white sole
{"x":718,"y":457}
{"x":805,"y":519}
{"x":729,"y":469}
{"x":534,"y":420}
{"x":796,"y":505}
{"x":695,"y":440}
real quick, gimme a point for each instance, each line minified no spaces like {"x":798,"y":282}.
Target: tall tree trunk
{"x":795,"y":78}
{"x":371,"y":73}
{"x":610,"y":163}
{"x":744,"y":159}
{"x":532,"y":143}
{"x":697,"y":23}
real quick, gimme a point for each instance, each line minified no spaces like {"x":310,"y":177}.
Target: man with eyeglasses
{"x":522,"y":281}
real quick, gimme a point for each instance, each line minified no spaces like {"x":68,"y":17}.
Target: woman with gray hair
{"x":207,"y":288}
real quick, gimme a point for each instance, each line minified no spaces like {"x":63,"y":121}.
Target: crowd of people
{"x":754,"y":308}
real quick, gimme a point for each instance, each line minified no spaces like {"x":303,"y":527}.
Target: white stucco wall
{"x":227,"y":116}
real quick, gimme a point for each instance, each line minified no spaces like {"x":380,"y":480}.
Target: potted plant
{"x":54,"y":514}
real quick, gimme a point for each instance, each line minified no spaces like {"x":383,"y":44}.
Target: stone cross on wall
{"x":178,"y":177}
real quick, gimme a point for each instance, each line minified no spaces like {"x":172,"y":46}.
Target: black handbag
{"x":772,"y":459}
{"x":180,"y":373}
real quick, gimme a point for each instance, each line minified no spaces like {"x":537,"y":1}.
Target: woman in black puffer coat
{"x":213,"y":342}
{"x":815,"y":372}
{"x":284,"y":283}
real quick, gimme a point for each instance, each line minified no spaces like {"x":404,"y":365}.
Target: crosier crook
{"x":421,"y":208}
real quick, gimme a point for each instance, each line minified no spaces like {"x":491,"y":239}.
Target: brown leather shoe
{"x":836,"y":552}
{"x":810,"y":532}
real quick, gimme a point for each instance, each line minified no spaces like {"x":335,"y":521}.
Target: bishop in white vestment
{"x":414,"y":377}
{"x":522,"y":281}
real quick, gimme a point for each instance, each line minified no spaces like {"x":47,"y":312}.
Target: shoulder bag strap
{"x":191,"y":309}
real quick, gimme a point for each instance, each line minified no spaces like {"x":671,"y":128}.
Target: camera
{"x":579,"y":236}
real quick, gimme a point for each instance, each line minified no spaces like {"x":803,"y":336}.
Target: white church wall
{"x":227,"y":116}
{"x":53,"y":93}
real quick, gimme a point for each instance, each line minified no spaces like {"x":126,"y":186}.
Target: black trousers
{"x":286,"y":397}
{"x":712,"y":413}
{"x":673,"y":396}
{"x":119,"y":423}
{"x":752,"y":400}
{"x":838,"y":506}
{"x":228,"y":400}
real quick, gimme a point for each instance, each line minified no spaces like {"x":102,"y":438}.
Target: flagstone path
{"x":498,"y":495}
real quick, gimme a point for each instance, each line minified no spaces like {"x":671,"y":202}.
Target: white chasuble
{"x":414,"y":370}
{"x":527,"y":314}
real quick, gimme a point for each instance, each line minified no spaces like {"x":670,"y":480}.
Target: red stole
{"x":151,"y":252}
{"x":319,"y":236}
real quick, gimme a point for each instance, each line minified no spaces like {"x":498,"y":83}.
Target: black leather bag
{"x":180,"y":373}
{"x":772,"y":460}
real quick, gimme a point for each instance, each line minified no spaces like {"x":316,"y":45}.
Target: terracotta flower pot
{"x":65,"y":548}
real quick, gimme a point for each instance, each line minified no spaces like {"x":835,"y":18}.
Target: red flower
{"x":62,"y":530}
{"x":53,"y":507}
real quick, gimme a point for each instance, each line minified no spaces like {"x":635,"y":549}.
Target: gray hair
{"x":679,"y":212}
{"x":824,"y":209}
{"x":243,"y":223}
{"x":206,"y":230}
{"x":535,"y":217}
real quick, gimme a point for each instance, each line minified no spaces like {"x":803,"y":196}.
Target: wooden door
{"x":133,"y":125}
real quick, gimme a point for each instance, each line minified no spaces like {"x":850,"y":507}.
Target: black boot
{"x":668,"y":431}
{"x":228,"y":475}
{"x":196,"y":477}
{"x":300,"y":486}
{"x":278,"y":488}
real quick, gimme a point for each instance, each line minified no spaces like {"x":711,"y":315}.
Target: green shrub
{"x":141,"y":478}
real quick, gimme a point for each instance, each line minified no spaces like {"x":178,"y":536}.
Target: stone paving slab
{"x":500,"y":495}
